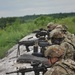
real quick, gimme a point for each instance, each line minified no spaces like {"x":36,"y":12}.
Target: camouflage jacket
{"x":69,"y":50}
{"x":65,"y":67}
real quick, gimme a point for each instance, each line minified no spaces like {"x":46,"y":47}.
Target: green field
{"x":10,"y":35}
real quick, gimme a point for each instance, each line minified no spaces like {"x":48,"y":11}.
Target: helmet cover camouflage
{"x":54,"y":51}
{"x":61,"y":27}
{"x":57,"y":34}
{"x":51,"y":26}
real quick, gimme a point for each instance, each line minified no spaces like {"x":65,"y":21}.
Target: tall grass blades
{"x":10,"y":35}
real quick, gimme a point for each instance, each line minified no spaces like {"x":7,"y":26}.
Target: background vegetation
{"x":12,"y":29}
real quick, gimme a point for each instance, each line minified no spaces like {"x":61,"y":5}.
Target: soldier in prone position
{"x":59,"y":38}
{"x":37,"y":67}
{"x":55,"y":54}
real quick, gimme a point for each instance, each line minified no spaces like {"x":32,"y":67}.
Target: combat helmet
{"x":57,"y":36}
{"x":62,"y":28}
{"x":51,"y":26}
{"x":54,"y":51}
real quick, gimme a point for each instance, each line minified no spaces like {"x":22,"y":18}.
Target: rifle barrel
{"x":28,"y":70}
{"x":21,"y":70}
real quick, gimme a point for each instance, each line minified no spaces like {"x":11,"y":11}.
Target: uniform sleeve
{"x":68,"y":50}
{"x":56,"y":71}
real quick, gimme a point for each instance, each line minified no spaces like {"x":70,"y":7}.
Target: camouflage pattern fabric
{"x":60,"y":27}
{"x":54,"y":51}
{"x":64,"y":67}
{"x":69,"y":49}
{"x":66,"y":43}
{"x":51,"y":26}
{"x":67,"y":34}
{"x":71,"y":37}
{"x":56,"y":33}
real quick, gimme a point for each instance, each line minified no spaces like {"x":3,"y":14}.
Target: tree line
{"x":4,"y":22}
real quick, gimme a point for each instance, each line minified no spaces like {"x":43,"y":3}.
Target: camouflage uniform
{"x":60,"y":38}
{"x":65,"y":67}
{"x":71,"y":37}
{"x":51,"y":26}
{"x":69,"y":51}
{"x":54,"y":51}
{"x":68,"y":35}
{"x":61,"y":67}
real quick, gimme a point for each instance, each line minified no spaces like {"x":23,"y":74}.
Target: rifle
{"x":35,"y":43}
{"x":42,"y":32}
{"x":42,"y":45}
{"x":37,"y":68}
{"x":39,"y":30}
{"x":26,"y":44}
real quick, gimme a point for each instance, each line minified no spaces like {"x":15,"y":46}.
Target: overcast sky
{"x":11,"y":8}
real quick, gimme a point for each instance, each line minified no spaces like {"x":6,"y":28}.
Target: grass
{"x":10,"y":35}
